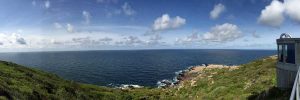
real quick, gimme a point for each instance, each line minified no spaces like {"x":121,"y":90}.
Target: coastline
{"x":191,"y":73}
{"x":255,"y":79}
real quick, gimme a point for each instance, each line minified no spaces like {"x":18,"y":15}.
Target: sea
{"x":137,"y":67}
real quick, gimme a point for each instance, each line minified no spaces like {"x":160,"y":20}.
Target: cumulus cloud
{"x":272,"y":15}
{"x":70,"y":28}
{"x":292,"y":9}
{"x":47,"y":4}
{"x":222,"y":33}
{"x":11,"y":40}
{"x":165,"y":22}
{"x":86,"y":15}
{"x":127,"y":9}
{"x":216,"y":12}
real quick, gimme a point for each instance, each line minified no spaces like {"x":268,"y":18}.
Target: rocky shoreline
{"x":190,"y":73}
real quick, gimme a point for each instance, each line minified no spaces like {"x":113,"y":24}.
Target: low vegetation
{"x":22,"y":83}
{"x":255,"y":80}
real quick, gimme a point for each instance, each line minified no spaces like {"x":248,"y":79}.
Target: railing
{"x":295,"y":90}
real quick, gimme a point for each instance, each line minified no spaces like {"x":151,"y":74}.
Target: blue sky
{"x":47,"y":25}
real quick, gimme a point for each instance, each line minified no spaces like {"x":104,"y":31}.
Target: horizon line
{"x":123,"y":50}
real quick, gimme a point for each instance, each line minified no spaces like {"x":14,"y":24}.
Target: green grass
{"x":255,"y":80}
{"x":18,"y":82}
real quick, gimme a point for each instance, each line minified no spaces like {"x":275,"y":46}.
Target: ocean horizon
{"x":138,"y":67}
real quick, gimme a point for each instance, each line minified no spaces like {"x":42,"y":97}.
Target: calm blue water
{"x":141,"y":67}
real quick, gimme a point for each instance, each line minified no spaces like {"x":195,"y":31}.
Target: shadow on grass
{"x":5,"y":94}
{"x":272,"y":93}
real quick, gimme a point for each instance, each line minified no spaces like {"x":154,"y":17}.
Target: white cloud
{"x":218,"y":9}
{"x":82,"y":40}
{"x":86,"y":15}
{"x":165,"y":22}
{"x":56,"y":41}
{"x":105,"y":40}
{"x":155,"y":39}
{"x":222,"y":33}
{"x":70,"y":28}
{"x":127,"y":9}
{"x":66,"y":26}
{"x":292,"y":9}
{"x":272,"y":15}
{"x":189,"y":39}
{"x":53,"y":41}
{"x":47,"y":4}
{"x":16,"y":38}
{"x":11,"y":40}
{"x":71,"y":41}
{"x":132,"y":40}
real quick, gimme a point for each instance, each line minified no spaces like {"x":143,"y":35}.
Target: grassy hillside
{"x":18,"y":82}
{"x":255,"y":80}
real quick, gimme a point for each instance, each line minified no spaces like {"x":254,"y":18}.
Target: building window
{"x":290,"y":51}
{"x":286,"y":53}
{"x":280,"y":54}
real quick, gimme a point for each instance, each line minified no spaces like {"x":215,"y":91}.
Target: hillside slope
{"x":255,"y":80}
{"x":19,"y":82}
